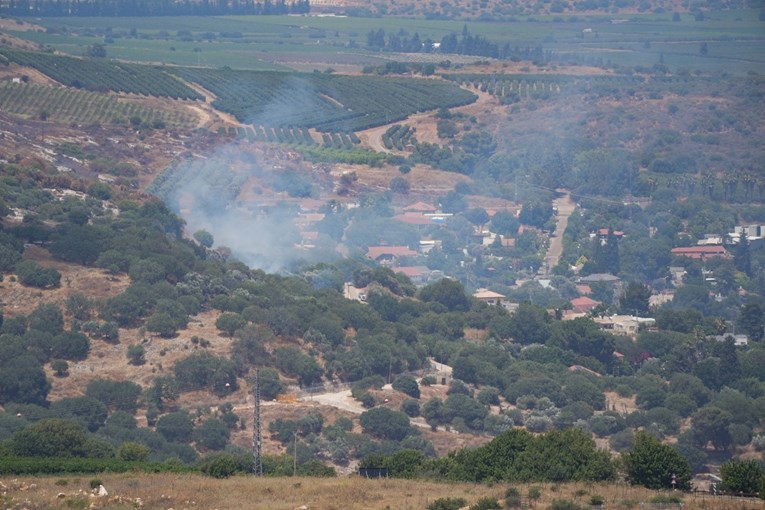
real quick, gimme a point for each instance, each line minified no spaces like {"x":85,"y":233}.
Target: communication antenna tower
{"x":257,"y":465}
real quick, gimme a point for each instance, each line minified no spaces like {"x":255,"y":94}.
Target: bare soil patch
{"x":422,"y":178}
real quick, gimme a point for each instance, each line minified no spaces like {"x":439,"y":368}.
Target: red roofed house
{"x":584,"y":304}
{"x":489,"y":297}
{"x":418,"y":274}
{"x":420,"y":207}
{"x":701,"y":252}
{"x":413,"y":218}
{"x":387,"y":255}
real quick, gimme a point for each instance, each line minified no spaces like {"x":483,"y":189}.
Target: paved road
{"x":565,"y":207}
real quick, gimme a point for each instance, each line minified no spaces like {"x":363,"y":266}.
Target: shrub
{"x":447,"y":504}
{"x":666,"y":499}
{"x":486,"y":503}
{"x":32,"y":274}
{"x":219,"y":466}
{"x":406,"y":384}
{"x":385,"y":423}
{"x":133,"y":452}
{"x":489,"y":396}
{"x":428,"y":380}
{"x":411,"y":407}
{"x":513,"y":498}
{"x":61,"y":367}
{"x":564,"y":504}
{"x":136,"y":354}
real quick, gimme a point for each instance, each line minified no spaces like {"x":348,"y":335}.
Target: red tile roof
{"x":584,"y":304}
{"x":412,"y":271}
{"x":420,"y":207}
{"x":375,"y":252}
{"x":701,"y":252}
{"x":413,"y":218}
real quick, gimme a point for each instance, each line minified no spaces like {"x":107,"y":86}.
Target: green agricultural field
{"x":735,"y":39}
{"x":321,"y":101}
{"x":103,"y":75}
{"x":82,"y":107}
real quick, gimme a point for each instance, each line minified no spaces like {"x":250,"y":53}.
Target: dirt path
{"x":424,"y":124}
{"x":565,"y":207}
{"x":208,"y":110}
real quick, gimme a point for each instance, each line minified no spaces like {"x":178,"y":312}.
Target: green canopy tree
{"x":741,"y":476}
{"x":652,"y":464}
{"x":52,"y":437}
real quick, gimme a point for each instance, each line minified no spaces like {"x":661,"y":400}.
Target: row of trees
{"x":152,"y":8}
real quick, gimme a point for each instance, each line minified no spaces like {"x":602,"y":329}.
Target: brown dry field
{"x":187,"y":491}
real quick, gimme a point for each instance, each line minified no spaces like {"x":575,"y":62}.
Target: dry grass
{"x":97,"y":284}
{"x":198,"y":492}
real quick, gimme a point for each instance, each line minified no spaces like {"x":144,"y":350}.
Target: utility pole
{"x":294,"y":456}
{"x":257,"y":464}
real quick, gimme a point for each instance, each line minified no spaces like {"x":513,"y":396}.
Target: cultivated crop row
{"x":82,"y":107}
{"x":328,"y":103}
{"x":103,"y":75}
{"x":398,"y":137}
{"x":526,"y":86}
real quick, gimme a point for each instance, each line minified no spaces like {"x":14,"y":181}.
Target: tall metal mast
{"x":257,"y":442}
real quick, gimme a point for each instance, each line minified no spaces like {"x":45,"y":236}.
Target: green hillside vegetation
{"x":524,"y":357}
{"x":70,"y":105}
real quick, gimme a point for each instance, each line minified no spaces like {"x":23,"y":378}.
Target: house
{"x":626,"y":325}
{"x":677,"y":273}
{"x":489,"y":297}
{"x":665,"y":296}
{"x":438,"y":217}
{"x":308,"y":239}
{"x":598,"y":278}
{"x":584,"y":304}
{"x":738,"y":340}
{"x":354,"y":293}
{"x":418,"y":274}
{"x":702,"y":253}
{"x":602,"y":235}
{"x":580,"y":368}
{"x":414,"y":218}
{"x":420,"y":207}
{"x":750,"y":231}
{"x":388,"y":255}
{"x":428,"y":244}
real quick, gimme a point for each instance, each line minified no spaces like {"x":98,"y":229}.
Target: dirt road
{"x":565,"y":207}
{"x":341,"y":399}
{"x":424,"y":124}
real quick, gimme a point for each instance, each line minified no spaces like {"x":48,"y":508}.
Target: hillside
{"x":376,"y":244}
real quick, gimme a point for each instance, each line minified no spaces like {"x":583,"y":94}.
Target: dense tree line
{"x":152,"y":8}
